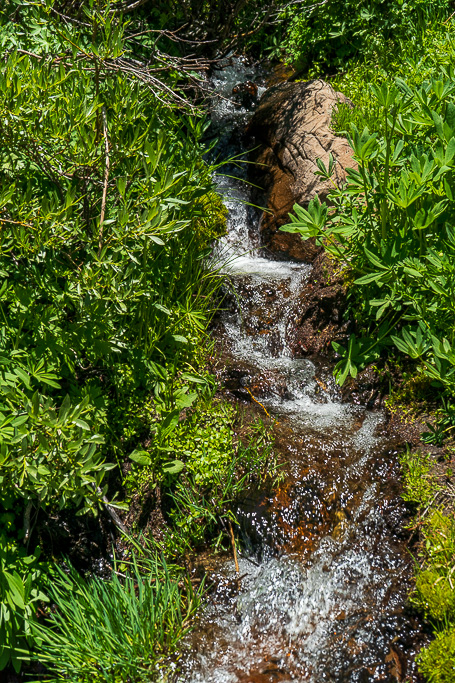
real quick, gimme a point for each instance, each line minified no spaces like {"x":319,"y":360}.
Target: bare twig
{"x":27,"y":517}
{"x":112,"y":512}
{"x":106,"y":180}
{"x":130,"y":7}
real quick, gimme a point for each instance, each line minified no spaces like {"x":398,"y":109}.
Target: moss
{"x":434,"y":592}
{"x":419,"y":484}
{"x":437,"y":661}
{"x":410,"y":395}
{"x":435,"y":595}
{"x":210,"y":219}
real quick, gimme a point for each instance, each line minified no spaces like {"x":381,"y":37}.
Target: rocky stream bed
{"x":325,"y":567}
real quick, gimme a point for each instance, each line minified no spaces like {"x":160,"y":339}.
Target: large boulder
{"x":292,"y":129}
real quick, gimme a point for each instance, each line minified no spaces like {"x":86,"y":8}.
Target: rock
{"x":322,"y":304}
{"x":292,"y":127}
{"x":245,"y":94}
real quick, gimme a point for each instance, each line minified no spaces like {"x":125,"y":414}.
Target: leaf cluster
{"x":392,"y":224}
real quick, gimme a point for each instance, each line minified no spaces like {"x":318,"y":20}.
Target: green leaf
{"x":173,"y":467}
{"x":140,"y":457}
{"x":81,"y":423}
{"x":16,"y":587}
{"x":371,"y":277}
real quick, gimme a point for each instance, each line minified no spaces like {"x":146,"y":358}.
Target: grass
{"x":117,"y":629}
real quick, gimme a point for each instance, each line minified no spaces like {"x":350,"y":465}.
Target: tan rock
{"x":292,"y":127}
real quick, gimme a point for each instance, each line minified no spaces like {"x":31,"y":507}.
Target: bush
{"x":392,"y":224}
{"x":20,"y":596}
{"x":107,"y":210}
{"x":324,"y":36}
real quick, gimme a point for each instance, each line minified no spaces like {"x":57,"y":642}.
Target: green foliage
{"x":435,"y":594}
{"x":116,"y":629}
{"x":325,"y":36}
{"x":420,"y":485}
{"x":20,"y":594}
{"x":414,"y":61}
{"x":107,"y":210}
{"x":437,"y":660}
{"x":206,"y":468}
{"x":434,"y":591}
{"x":47,"y":455}
{"x":392,"y":223}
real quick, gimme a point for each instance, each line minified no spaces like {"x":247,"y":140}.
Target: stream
{"x":325,"y":571}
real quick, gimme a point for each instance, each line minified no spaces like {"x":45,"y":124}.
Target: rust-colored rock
{"x":292,"y":127}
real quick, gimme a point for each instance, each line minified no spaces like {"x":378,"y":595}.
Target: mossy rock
{"x":437,"y":661}
{"x":435,"y":595}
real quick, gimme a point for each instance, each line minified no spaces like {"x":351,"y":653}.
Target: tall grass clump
{"x":116,"y":629}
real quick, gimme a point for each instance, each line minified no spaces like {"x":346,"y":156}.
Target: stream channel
{"x":325,"y":571}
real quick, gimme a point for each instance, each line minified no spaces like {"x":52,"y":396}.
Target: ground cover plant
{"x":107,"y":212}
{"x":426,"y":489}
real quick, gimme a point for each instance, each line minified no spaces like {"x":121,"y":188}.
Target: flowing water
{"x":324,"y":568}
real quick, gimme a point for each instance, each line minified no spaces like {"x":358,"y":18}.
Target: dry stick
{"x":258,"y":402}
{"x":106,"y":180}
{"x":114,"y":516}
{"x":27,"y":524}
{"x":234,"y":549}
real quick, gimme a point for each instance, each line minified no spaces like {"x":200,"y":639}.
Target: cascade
{"x":324,"y":568}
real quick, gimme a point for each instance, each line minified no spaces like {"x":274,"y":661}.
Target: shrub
{"x":391,"y":224}
{"x":107,"y":210}
{"x":20,"y":595}
{"x":325,"y":36}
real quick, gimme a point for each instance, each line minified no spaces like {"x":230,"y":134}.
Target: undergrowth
{"x":391,"y":225}
{"x":108,"y":211}
{"x":434,"y":592}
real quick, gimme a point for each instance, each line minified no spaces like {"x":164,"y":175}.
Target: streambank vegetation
{"x":108,"y":211}
{"x":391,"y":230}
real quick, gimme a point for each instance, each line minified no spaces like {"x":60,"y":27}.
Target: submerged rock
{"x":292,"y":127}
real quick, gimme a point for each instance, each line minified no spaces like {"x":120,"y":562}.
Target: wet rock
{"x":292,"y":127}
{"x":246,"y":94}
{"x":322,"y":305}
{"x":397,"y":663}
